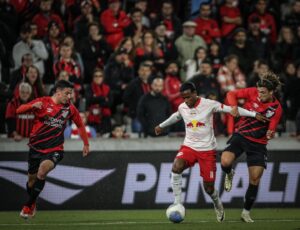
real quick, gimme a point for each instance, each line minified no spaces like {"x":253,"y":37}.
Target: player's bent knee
{"x":178,"y":166}
{"x":227,"y":159}
{"x":254,"y":180}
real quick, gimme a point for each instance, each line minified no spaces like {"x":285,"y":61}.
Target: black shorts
{"x":35,"y":158}
{"x":256,"y":152}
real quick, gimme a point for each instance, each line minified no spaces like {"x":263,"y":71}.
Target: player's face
{"x":64,"y":95}
{"x":189,"y":98}
{"x":264,"y":94}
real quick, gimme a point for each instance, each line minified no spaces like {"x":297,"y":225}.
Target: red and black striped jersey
{"x":22,"y":123}
{"x":251,"y":128}
{"x":50,"y":122}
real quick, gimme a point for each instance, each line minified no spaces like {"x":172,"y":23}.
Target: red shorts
{"x":205,"y":159}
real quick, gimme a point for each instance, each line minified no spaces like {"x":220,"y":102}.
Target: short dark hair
{"x":204,"y":4}
{"x":62,"y":84}
{"x":135,"y":10}
{"x":188,"y":86}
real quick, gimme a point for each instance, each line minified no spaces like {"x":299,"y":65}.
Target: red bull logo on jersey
{"x":194,"y":124}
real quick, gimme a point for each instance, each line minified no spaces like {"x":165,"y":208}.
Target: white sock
{"x":176,"y":183}
{"x":246,"y":211}
{"x":215,"y":197}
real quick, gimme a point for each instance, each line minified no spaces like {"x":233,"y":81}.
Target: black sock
{"x":28,"y":189}
{"x":35,"y":191}
{"x":250,"y":196}
{"x":227,"y":169}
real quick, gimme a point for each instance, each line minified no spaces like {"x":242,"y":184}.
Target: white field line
{"x":137,"y":222}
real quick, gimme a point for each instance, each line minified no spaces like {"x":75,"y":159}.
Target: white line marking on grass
{"x":136,"y":222}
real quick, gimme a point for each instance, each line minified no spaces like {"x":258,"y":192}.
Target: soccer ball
{"x":175,"y":213}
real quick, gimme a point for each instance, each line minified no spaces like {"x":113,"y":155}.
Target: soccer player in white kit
{"x":200,"y":143}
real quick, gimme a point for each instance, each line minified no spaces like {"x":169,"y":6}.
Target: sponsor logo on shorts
{"x":179,"y":154}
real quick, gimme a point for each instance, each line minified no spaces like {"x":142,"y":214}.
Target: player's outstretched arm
{"x":175,"y":117}
{"x":82,"y":132}
{"x":28,"y":107}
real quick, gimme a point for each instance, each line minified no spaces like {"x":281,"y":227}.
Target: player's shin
{"x":176,"y":183}
{"x":250,"y":197}
{"x":35,"y":191}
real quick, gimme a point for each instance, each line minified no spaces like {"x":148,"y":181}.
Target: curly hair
{"x":270,"y":81}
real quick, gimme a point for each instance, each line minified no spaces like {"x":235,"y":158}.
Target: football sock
{"x":28,"y":189}
{"x":215,"y":198}
{"x":250,"y":196}
{"x":176,"y":182}
{"x":227,"y":170}
{"x":35,"y":191}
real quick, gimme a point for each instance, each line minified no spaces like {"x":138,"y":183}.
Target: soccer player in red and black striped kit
{"x":47,"y":138}
{"x":251,"y":136}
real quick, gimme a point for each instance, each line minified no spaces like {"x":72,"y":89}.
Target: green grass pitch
{"x":265,"y":219}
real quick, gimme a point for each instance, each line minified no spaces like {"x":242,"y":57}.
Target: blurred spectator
{"x":261,"y":67}
{"x":214,"y":55}
{"x":99,"y":102}
{"x":76,"y":56}
{"x":287,"y":49}
{"x":52,"y":41}
{"x":242,"y":49}
{"x":230,"y":76}
{"x":148,"y":50}
{"x":267,"y":21}
{"x":293,"y":18}
{"x":292,"y":95}
{"x":29,"y":46}
{"x":8,"y":15}
{"x":136,"y":28}
{"x":33,"y":78}
{"x":82,"y":22}
{"x":205,"y":82}
{"x":187,"y":43}
{"x":207,"y":27}
{"x":5,"y":96}
{"x":230,"y":17}
{"x":258,"y":39}
{"x":45,"y":16}
{"x":62,"y":75}
{"x":135,"y":90}
{"x":172,"y":85}
{"x":73,"y":132}
{"x":143,"y":5}
{"x":169,"y":18}
{"x":25,"y":9}
{"x":34,"y":30}
{"x":118,"y":73}
{"x":94,"y":50}
{"x":19,"y":125}
{"x":67,"y":63}
{"x":118,"y":132}
{"x":166,"y":45}
{"x":18,"y":75}
{"x":128,"y":45}
{"x":153,"y":108}
{"x":193,"y":65}
{"x":114,"y":20}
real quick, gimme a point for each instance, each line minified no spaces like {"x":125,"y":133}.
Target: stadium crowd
{"x":128,"y":59}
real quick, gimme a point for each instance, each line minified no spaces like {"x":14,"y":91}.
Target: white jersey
{"x":199,"y":124}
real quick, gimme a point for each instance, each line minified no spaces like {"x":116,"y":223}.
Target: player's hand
{"x":235,"y":111}
{"x":261,"y":118}
{"x":86,"y":150}
{"x":158,"y":130}
{"x":37,"y":105}
{"x":270,"y":134}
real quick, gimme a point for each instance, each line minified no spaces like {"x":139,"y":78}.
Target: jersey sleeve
{"x":275,"y":119}
{"x":78,"y":121}
{"x":28,"y":107}
{"x":233,"y":96}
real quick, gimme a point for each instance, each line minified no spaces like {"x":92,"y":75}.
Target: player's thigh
{"x":207,"y":164}
{"x":233,"y":150}
{"x":34,"y":160}
{"x":255,"y":173}
{"x":45,"y":167}
{"x":185,"y":158}
{"x":256,"y":154}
